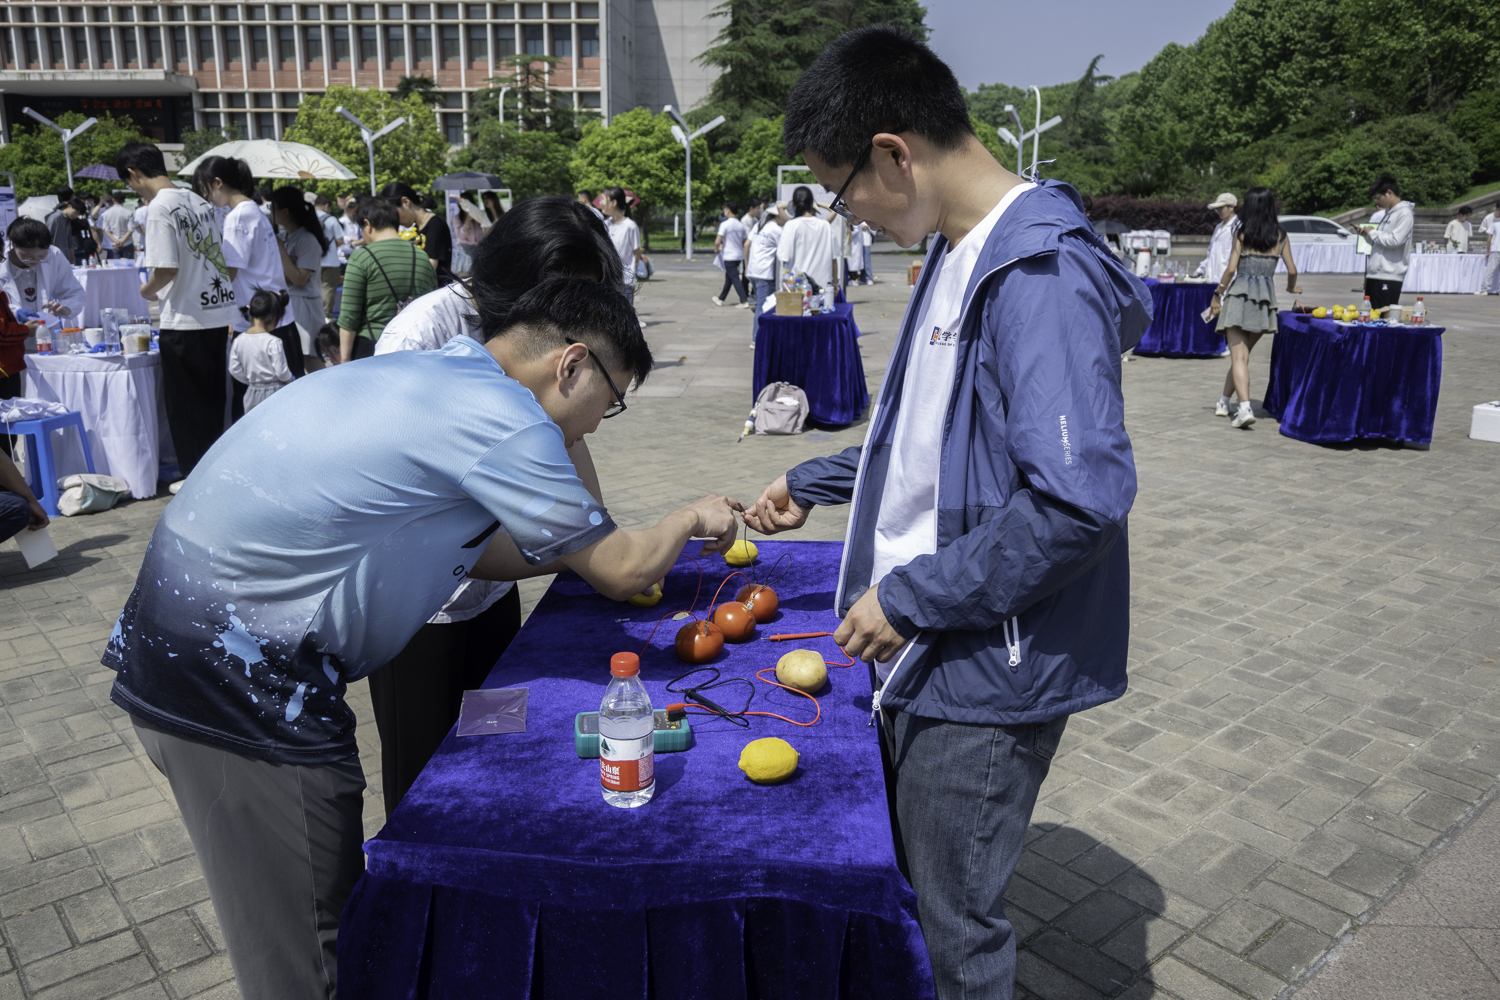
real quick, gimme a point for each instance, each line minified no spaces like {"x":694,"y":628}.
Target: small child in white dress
{"x":258,"y":358}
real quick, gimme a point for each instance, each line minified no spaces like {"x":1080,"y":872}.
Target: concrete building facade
{"x":175,"y":67}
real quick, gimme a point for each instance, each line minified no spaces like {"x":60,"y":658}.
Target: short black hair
{"x":143,"y":157}
{"x":396,"y":190}
{"x":871,"y":80}
{"x":328,"y":342}
{"x":233,"y":172}
{"x":267,"y":306}
{"x":575,"y":309}
{"x":378,"y":212}
{"x":64,"y":193}
{"x":1384,"y":183}
{"x":732,"y":207}
{"x":538,"y":238}
{"x":29,"y":234}
{"x":587,"y":194}
{"x":1465,"y":210}
{"x":78,"y":205}
{"x":321,"y":200}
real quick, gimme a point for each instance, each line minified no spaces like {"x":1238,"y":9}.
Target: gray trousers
{"x":964,"y":795}
{"x":280,"y":850}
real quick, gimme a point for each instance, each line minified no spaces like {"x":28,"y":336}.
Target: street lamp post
{"x":68,"y":135}
{"x":1034,"y":135}
{"x":680,"y":133}
{"x":370,"y":137}
{"x":503,"y":92}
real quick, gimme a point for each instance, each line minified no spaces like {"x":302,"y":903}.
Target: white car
{"x":1313,"y":229}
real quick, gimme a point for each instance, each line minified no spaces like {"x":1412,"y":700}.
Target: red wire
{"x":731,"y":576}
{"x":669,"y":614}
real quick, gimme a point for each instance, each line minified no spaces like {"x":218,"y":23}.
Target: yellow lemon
{"x":647,"y":598}
{"x":768,"y":761}
{"x":803,"y":669}
{"x":1320,"y":313}
{"x":741,"y":553}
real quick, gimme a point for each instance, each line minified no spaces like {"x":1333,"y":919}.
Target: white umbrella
{"x":277,"y":159}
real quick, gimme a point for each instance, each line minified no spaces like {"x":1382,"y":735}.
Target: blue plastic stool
{"x":41,"y":470}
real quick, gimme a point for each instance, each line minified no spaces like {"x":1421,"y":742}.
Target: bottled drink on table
{"x":1364,"y":310}
{"x":1419,"y":312}
{"x":43,"y":339}
{"x":627,"y":762}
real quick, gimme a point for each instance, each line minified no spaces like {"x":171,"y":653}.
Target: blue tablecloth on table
{"x":1177,"y":329}
{"x":1341,"y":382}
{"x":818,"y":353}
{"x":503,"y":873}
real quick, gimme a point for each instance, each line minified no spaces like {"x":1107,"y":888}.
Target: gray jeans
{"x":280,"y":850}
{"x":964,"y":795}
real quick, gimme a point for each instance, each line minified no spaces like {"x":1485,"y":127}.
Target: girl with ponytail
{"x":258,"y":358}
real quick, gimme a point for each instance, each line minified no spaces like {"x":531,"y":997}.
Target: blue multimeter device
{"x":669,"y":735}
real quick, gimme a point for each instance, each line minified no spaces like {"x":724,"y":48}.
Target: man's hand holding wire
{"x":776,"y":510}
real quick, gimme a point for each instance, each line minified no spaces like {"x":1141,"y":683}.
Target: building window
{"x":179,"y":46}
{"x":264,"y":100}
{"x":211,"y":119}
{"x":55,"y":47}
{"x":237,"y":101}
{"x":255,"y":13}
{"x":562,"y":11}
{"x":588,"y":10}
{"x":532,"y":11}
{"x":130,"y":52}
{"x":153,"y":48}
{"x":205,"y":48}
{"x":588,"y":40}
{"x":338,"y":12}
{"x":421,"y":44}
{"x":232,"y":52}
{"x":341,"y":45}
{"x":505,"y":11}
{"x":203,"y":13}
{"x":285,"y":14}
{"x":365,"y":12}
{"x":476,"y":12}
{"x":210,"y":100}
{"x":589,"y":99}
{"x":81,"y":47}
{"x":50,"y":15}
{"x":288,"y":119}
{"x":453,"y":127}
{"x":260,"y":47}
{"x":237,"y":121}
{"x":265,"y":125}
{"x":505,"y":40}
{"x":175,"y":14}
{"x":421,"y":12}
{"x":286,"y":45}
{"x":448,"y":11}
{"x":562,"y":41}
{"x":103,"y":47}
{"x":369,"y":45}
{"x":393,"y":12}
{"x":311,"y":13}
{"x":33,"y":50}
{"x":451,"y":53}
{"x":479,"y":50}
{"x":312,"y":45}
{"x":536,"y":44}
{"x":230,"y":13}
{"x":395,"y":44}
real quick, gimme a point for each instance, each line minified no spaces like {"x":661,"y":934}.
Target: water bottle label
{"x":627,"y":765}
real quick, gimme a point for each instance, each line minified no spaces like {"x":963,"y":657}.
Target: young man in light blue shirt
{"x":307,"y":548}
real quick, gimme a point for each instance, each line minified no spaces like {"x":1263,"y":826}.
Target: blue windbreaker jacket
{"x":1022,"y":613}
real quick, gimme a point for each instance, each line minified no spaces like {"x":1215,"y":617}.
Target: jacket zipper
{"x":1011,"y":628}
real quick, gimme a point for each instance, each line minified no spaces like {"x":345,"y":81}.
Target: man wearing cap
{"x":1222,"y":241}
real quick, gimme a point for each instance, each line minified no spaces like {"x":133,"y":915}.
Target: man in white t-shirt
{"x":730,"y":246}
{"x":1222,"y":240}
{"x":985,"y":576}
{"x":114,"y":226}
{"x":353,"y":235}
{"x":334,"y":231}
{"x":760,"y":264}
{"x":1489,"y":231}
{"x":138,"y":226}
{"x":192,"y":282}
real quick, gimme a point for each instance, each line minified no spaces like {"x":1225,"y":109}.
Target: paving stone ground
{"x":1312,"y":715}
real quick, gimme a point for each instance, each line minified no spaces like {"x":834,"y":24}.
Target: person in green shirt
{"x":381,"y":278}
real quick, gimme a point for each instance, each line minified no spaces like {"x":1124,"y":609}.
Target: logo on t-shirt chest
{"x":943,"y":338}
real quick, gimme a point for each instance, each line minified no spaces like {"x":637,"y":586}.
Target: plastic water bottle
{"x":1419,"y":312}
{"x":1364,"y":310}
{"x":627,"y":761}
{"x":43,"y":339}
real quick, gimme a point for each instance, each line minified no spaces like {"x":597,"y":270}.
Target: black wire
{"x":692,"y":693}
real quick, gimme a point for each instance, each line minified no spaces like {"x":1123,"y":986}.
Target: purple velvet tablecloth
{"x":1334,"y":382}
{"x":1177,"y":329}
{"x":503,"y":874}
{"x":818,"y":353}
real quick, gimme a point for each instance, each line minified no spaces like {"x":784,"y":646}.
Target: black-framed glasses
{"x":618,"y":406}
{"x":838,"y":207}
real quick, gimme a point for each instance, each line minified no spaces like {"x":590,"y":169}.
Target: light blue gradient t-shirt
{"x":319,"y":534}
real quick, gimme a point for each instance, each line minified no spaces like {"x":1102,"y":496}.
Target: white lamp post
{"x":503,"y":92}
{"x":68,"y":135}
{"x":370,"y":137}
{"x":680,"y":133}
{"x":1034,"y":134}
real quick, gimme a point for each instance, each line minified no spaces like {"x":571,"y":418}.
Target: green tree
{"x":424,"y":88}
{"x":765,"y":45}
{"x":529,"y":163}
{"x":1477,"y":121}
{"x":415,"y":153}
{"x":35,"y":153}
{"x":638,"y":152}
{"x":1419,"y":56}
{"x":1432,"y":164}
{"x":198,"y":141}
{"x":749,"y":170}
{"x":532,"y":99}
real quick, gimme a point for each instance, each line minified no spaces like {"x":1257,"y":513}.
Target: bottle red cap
{"x":625,"y":664}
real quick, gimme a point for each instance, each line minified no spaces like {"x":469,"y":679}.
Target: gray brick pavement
{"x":1312,"y":708}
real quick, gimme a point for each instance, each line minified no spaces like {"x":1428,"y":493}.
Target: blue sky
{"x":1050,"y":41}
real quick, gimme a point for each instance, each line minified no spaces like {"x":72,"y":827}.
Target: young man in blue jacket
{"x":986,"y":569}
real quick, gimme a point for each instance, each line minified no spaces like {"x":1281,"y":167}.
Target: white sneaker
{"x":1244,"y":418}
{"x":716,"y":300}
{"x":1221,"y":409}
{"x":176,"y":487}
{"x":742,"y":305}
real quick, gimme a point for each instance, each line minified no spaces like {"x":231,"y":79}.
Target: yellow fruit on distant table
{"x":647,"y":598}
{"x":741,"y":553}
{"x":1320,"y":313}
{"x":803,"y":669}
{"x":768,"y":761}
